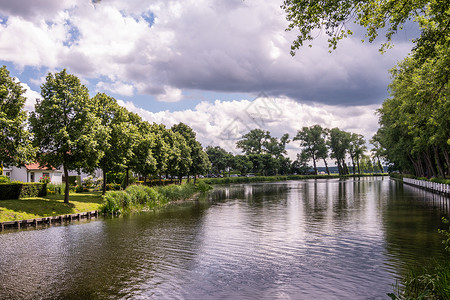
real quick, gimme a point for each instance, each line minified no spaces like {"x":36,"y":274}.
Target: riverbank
{"x":49,"y":206}
{"x":244,"y":179}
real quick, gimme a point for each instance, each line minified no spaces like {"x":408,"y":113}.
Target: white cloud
{"x":223,"y":122}
{"x":233,"y":46}
{"x":116,"y":88}
{"x":31,"y":97}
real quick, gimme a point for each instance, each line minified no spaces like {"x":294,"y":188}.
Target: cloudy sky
{"x":222,"y":67}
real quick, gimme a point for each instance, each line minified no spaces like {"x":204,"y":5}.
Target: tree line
{"x":69,"y":128}
{"x":266,"y":155}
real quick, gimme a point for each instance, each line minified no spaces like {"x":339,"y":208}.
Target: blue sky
{"x":200,"y":62}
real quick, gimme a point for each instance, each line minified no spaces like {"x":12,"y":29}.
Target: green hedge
{"x":22,"y":190}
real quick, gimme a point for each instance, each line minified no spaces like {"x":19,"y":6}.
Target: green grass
{"x":139,"y":197}
{"x":51,"y":205}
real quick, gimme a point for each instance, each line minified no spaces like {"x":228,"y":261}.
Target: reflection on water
{"x":330,"y":239}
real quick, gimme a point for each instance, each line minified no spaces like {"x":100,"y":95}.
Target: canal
{"x":325,"y":238}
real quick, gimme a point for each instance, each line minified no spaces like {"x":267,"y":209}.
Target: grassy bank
{"x":51,"y":205}
{"x":139,"y":197}
{"x":437,"y":180}
{"x":227,"y":180}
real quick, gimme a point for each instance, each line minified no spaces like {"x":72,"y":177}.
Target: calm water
{"x":327,"y":239}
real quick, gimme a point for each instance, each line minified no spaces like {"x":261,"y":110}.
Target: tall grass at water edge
{"x":139,"y":197}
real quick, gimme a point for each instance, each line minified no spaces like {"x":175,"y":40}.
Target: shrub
{"x":203,"y":187}
{"x":4,"y":179}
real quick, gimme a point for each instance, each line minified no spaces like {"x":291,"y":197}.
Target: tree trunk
{"x":326,"y":166}
{"x":353,"y":164}
{"x":126,"y":178}
{"x":447,"y":159}
{"x":195,"y":179}
{"x":430,"y":165}
{"x":357,"y":164}
{"x":66,"y":178}
{"x":104,"y":182}
{"x":314,"y":163}
{"x":379,"y":164}
{"x":346,"y":172}
{"x":438,"y":162}
{"x":339,"y":167}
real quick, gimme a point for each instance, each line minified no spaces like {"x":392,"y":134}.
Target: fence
{"x":441,"y":188}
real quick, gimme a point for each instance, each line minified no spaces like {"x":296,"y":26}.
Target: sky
{"x":221,"y":67}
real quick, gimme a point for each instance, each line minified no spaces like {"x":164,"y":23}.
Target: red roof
{"x":36,"y":166}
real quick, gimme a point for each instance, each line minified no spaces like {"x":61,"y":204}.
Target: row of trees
{"x":414,"y":122}
{"x":69,"y":128}
{"x":266,"y":154}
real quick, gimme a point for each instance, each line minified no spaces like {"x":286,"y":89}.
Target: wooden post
{"x":18,"y":224}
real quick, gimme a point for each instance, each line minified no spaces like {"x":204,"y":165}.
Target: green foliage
{"x":138,"y":197}
{"x":389,"y":16}
{"x":15,"y":144}
{"x":203,"y":186}
{"x":65,"y":127}
{"x":427,"y":283}
{"x":10,"y":191}
{"x":176,"y":192}
{"x":4,"y":179}
{"x":446,"y":234}
{"x":22,"y":190}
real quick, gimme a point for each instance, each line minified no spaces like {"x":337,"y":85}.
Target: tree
{"x":15,"y":143}
{"x":414,"y":121}
{"x":312,"y":139}
{"x":339,"y":143}
{"x":219,"y":158}
{"x":113,"y":117}
{"x":254,"y":142}
{"x":356,"y":149}
{"x":65,"y":127}
{"x":300,"y":165}
{"x":143,"y":161}
{"x":333,"y":17}
{"x":242,"y":164}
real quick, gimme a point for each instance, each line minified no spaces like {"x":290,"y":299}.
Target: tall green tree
{"x":356,"y":150}
{"x":65,"y":127}
{"x":15,"y":142}
{"x":219,"y":158}
{"x":254,"y":142}
{"x":114,"y":118}
{"x":312,"y":140}
{"x":339,"y":143}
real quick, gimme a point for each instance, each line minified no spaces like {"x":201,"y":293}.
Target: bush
{"x":4,"y":179}
{"x":137,"y":197}
{"x":18,"y":190}
{"x":203,"y":187}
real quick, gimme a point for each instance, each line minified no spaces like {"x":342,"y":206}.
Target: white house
{"x":32,"y":173}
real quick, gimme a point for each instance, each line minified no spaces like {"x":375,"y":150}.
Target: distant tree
{"x":143,"y":161}
{"x":15,"y":143}
{"x":312,"y":140}
{"x":242,"y":164}
{"x":65,"y":127}
{"x":356,"y":149}
{"x":254,"y":142}
{"x":300,"y":165}
{"x":219,"y":158}
{"x":339,"y":143}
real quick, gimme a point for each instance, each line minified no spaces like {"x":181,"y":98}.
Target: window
{"x":46,"y":175}
{"x":8,"y":174}
{"x":31,"y":177}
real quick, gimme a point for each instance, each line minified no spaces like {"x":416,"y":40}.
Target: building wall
{"x":21,"y":174}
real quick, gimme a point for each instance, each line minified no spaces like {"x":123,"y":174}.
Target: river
{"x":322,"y":239}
